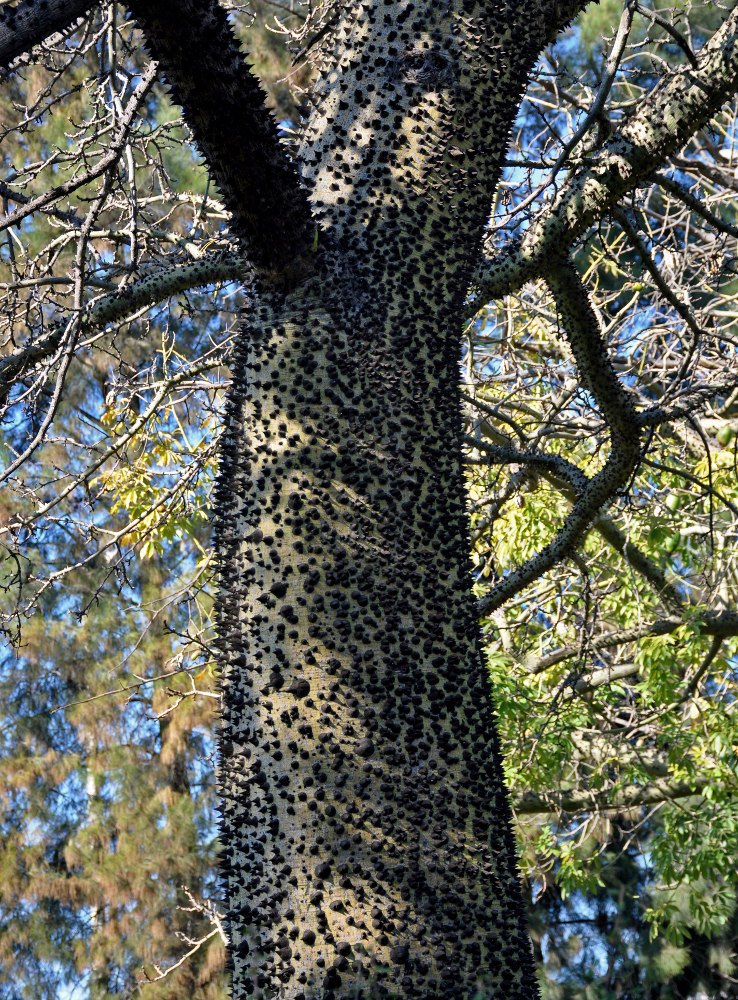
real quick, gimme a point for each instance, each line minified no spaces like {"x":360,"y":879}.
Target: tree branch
{"x":598,"y":678}
{"x":694,"y":204}
{"x":597,"y":375}
{"x":685,"y":403}
{"x":720,"y":624}
{"x":595,"y":112}
{"x":224,"y":106}
{"x":668,"y":27}
{"x":30,"y":22}
{"x":586,"y":800}
{"x":560,"y":467}
{"x":105,"y":162}
{"x":650,"y":265}
{"x":116,"y":307}
{"x":571,"y":482}
{"x":682,"y":103}
{"x":8,"y":194}
{"x":640,"y":562}
{"x":711,"y":172}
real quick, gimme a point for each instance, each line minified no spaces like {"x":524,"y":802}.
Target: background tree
{"x":627,"y":750}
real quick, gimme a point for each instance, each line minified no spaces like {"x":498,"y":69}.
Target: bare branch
{"x":670,"y":29}
{"x":164,"y":973}
{"x":104,"y":163}
{"x":650,"y":265}
{"x":695,"y":204}
{"x":595,"y":111}
{"x":686,"y":402}
{"x":560,"y":467}
{"x":724,"y":178}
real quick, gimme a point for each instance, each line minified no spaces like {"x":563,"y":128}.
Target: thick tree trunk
{"x":365,"y":822}
{"x":367,"y":844}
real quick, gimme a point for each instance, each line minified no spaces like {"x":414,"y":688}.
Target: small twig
{"x":611,"y":68}
{"x":668,"y":27}
{"x":702,"y":669}
{"x":163,"y":973}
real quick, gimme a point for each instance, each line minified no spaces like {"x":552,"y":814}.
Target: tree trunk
{"x":365,"y":823}
{"x":367,"y":843}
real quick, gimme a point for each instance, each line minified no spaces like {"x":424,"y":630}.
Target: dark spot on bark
{"x":300,"y":687}
{"x":399,"y":954}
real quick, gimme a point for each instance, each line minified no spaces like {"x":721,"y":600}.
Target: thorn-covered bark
{"x":28,"y":23}
{"x":366,"y":830}
{"x":683,"y":102}
{"x":209,"y":76}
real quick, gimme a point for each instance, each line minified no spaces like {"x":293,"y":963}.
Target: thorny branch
{"x":28,"y":23}
{"x":210,"y":79}
{"x":597,"y":376}
{"x":661,"y":295}
{"x":682,"y":103}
